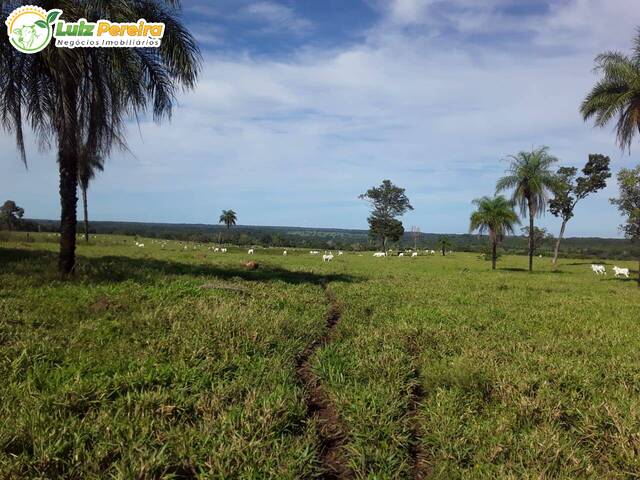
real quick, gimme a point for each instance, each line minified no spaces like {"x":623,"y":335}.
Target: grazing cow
{"x":620,"y":272}
{"x":379,"y":254}
{"x":598,"y":269}
{"x":141,"y":245}
{"x":216,"y":250}
{"x":340,"y":252}
{"x":284,"y":254}
{"x":314,"y":252}
{"x":327,"y":257}
{"x":223,"y":250}
{"x":250,"y":252}
{"x":414,"y":254}
{"x":401,"y":254}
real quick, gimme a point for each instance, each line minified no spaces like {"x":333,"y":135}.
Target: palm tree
{"x":228,"y":217}
{"x":617,"y":94}
{"x":531,"y":178}
{"x":495,"y":216}
{"x":88,"y":167}
{"x":82,"y":97}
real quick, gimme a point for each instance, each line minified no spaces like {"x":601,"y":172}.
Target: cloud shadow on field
{"x":114,"y":269}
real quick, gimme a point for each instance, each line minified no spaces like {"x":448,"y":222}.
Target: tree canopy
{"x":388,"y":202}
{"x":616,"y":96}
{"x":11,"y":215}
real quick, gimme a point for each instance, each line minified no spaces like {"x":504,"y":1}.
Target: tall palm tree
{"x":617,"y":94}
{"x":531,"y":178}
{"x":495,"y":216}
{"x":83,"y":96}
{"x":88,"y":167}
{"x":228,"y":217}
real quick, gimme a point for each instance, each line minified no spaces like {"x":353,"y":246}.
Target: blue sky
{"x":304,"y":104}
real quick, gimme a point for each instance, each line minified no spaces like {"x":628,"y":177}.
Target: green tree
{"x":616,"y":96}
{"x":11,"y":214}
{"x":229,"y":218}
{"x":530,"y":176}
{"x":88,"y":167}
{"x":628,"y":204}
{"x":444,"y":243}
{"x":83,"y":96}
{"x":540,"y":237}
{"x":388,"y":202}
{"x":569,"y":190}
{"x":496,"y":217}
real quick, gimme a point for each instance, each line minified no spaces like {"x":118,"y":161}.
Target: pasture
{"x":166,"y":362}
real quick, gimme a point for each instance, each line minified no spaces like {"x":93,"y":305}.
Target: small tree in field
{"x":496,"y":217}
{"x":444,"y":243}
{"x":229,"y":218}
{"x":569,"y":190}
{"x":629,"y":204}
{"x":388,"y":202}
{"x":538,"y":239}
{"x":11,"y":215}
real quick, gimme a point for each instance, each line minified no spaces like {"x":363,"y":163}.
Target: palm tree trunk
{"x":86,"y":214}
{"x":494,"y":255}
{"x":531,"y":232}
{"x":68,"y":215}
{"x":68,"y":168}
{"x":557,"y":249}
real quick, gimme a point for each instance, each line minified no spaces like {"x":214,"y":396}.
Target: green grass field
{"x":171,"y":363}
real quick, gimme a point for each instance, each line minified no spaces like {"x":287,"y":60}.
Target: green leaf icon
{"x":53,"y":16}
{"x":41,"y":24}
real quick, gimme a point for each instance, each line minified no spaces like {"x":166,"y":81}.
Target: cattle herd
{"x":617,"y":271}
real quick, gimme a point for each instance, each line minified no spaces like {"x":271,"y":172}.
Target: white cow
{"x":621,"y":271}
{"x":401,"y":254}
{"x":379,"y":254}
{"x":314,"y":252}
{"x":250,"y":252}
{"x":340,"y":253}
{"x":216,"y":250}
{"x":598,"y":269}
{"x":284,"y":254}
{"x":327,"y":257}
{"x":414,"y":254}
{"x":223,"y":250}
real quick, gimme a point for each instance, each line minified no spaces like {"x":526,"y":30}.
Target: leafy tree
{"x":617,"y":94}
{"x":88,"y":167}
{"x":11,"y":214}
{"x":530,"y":176}
{"x":83,"y":96}
{"x":569,"y":190}
{"x":495,"y":216}
{"x":388,"y":202}
{"x":629,"y":204}
{"x":540,"y":236}
{"x":229,"y":218}
{"x":444,"y":243}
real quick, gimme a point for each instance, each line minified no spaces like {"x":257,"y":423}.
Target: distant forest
{"x":348,"y":240}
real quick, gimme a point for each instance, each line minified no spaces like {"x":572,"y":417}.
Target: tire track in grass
{"x":417,"y":454}
{"x":331,"y":431}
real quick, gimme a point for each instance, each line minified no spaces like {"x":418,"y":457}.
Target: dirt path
{"x":417,"y":454}
{"x":331,"y":431}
